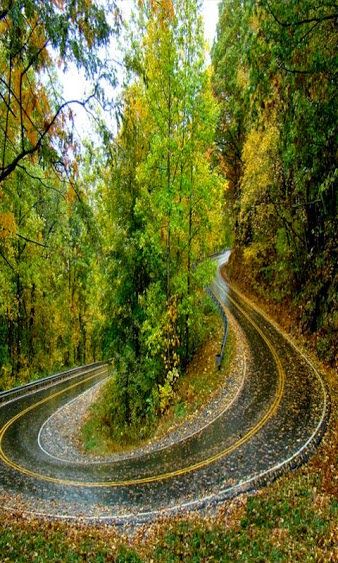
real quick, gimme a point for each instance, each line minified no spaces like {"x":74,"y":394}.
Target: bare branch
{"x":306,"y":71}
{"x":7,"y":106}
{"x":32,"y":241}
{"x":11,"y":92}
{"x":41,"y":181}
{"x":301,"y":22}
{"x":7,"y":170}
{"x":309,"y":31}
{"x":281,"y":66}
{"x":7,"y":262}
{"x":30,"y":63}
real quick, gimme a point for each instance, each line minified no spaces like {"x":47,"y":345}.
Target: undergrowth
{"x":194,"y":388}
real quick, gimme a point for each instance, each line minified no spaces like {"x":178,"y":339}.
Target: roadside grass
{"x":283,"y":524}
{"x":293,"y":519}
{"x":37,"y":541}
{"x":195,"y":388}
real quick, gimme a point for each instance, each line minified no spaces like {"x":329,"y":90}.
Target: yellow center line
{"x":45,"y":400}
{"x":170,"y":474}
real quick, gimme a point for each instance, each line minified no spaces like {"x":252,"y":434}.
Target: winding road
{"x":272,"y":425}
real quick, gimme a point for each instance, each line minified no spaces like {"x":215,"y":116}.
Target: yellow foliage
{"x":168,"y":8}
{"x":70,"y":195}
{"x":259,"y":157}
{"x":7,"y":225}
{"x":242,"y":77}
{"x":75,"y":168}
{"x":251,"y":253}
{"x":32,"y":136}
{"x":255,"y":23}
{"x":165,"y":6}
{"x":166,"y":391}
{"x":137,"y":108}
{"x":87,"y":31}
{"x":16,"y":80}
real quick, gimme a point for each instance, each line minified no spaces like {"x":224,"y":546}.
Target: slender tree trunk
{"x":10,"y":337}
{"x":31,"y":326}
{"x":19,"y":324}
{"x":187,"y":333}
{"x":169,"y":191}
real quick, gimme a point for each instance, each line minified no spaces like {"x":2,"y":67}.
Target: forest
{"x":104,"y":243}
{"x":275,"y":68}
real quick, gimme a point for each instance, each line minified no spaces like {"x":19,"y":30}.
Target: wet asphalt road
{"x":276,"y":419}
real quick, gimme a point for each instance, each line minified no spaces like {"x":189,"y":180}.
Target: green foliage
{"x":48,"y":240}
{"x":160,"y":211}
{"x":34,"y":36}
{"x":104,"y":431}
{"x":127,"y":555}
{"x":48,"y":302}
{"x":277,"y":143}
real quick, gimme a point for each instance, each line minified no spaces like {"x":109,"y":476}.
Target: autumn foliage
{"x":274,"y":77}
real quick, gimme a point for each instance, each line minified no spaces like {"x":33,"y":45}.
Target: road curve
{"x":276,"y":420}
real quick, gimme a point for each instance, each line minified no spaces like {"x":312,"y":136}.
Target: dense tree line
{"x":104,"y":250}
{"x":275,"y":77}
{"x":162,"y":207}
{"x":47,"y":243}
{"x":47,"y":246}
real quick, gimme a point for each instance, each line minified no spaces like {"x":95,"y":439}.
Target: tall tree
{"x":48,"y":252}
{"x":230,"y":83}
{"x":165,"y":206}
{"x":47,"y":232}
